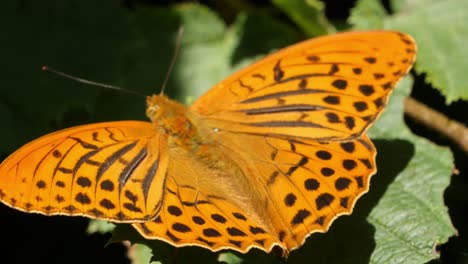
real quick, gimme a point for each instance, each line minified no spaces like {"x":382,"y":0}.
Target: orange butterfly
{"x":268,"y":156}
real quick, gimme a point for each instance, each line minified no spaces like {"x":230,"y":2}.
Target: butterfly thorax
{"x":192,"y":144}
{"x":170,"y":116}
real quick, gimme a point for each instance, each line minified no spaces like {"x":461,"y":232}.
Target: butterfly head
{"x":168,"y":115}
{"x":153,"y":108}
{"x":159,"y":107}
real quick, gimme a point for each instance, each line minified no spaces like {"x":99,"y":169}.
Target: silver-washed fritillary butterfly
{"x":273,"y":153}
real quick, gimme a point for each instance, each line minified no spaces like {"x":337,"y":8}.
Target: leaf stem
{"x":453,"y":130}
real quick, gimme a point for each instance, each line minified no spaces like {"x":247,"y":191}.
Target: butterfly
{"x":268,"y":156}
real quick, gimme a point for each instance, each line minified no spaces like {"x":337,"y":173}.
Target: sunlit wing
{"x":329,"y":88}
{"x":293,"y":188}
{"x":307,"y":183}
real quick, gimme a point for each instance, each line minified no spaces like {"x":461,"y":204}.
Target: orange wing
{"x":292,"y":188}
{"x":103,"y":170}
{"x":328,"y":88}
{"x":306,"y":184}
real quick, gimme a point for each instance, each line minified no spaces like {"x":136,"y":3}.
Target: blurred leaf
{"x":309,"y":15}
{"x":99,"y":226}
{"x":230,"y":258}
{"x":141,"y":254}
{"x":249,"y":27}
{"x":203,"y":58}
{"x":368,"y":14}
{"x":217,"y":52}
{"x":440,"y":31}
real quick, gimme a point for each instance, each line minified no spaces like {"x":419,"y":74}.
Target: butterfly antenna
{"x":180,"y":33}
{"x":81,"y":80}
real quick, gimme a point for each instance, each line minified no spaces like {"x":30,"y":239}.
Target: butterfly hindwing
{"x":306,"y":184}
{"x":191,"y":217}
{"x":103,"y":170}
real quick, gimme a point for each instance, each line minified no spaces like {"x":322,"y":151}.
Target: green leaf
{"x":216,"y":53}
{"x":440,"y":31}
{"x":230,"y":258}
{"x":141,"y":254}
{"x":309,"y":15}
{"x":410,"y":219}
{"x":204,"y":45}
{"x":368,"y":14}
{"x":99,"y":226}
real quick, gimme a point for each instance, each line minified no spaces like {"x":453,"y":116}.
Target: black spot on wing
{"x":82,"y":198}
{"x":370,"y":60}
{"x":181,"y":228}
{"x":300,"y":216}
{"x":340,"y":84}
{"x":210,"y":232}
{"x":366,"y":89}
{"x":83,"y":181}
{"x":107,"y":204}
{"x":239,"y":216}
{"x":57,"y":154}
{"x":174,"y":210}
{"x":107,"y":185}
{"x":323,"y":200}
{"x":218,"y":218}
{"x":332,"y":99}
{"x":41,"y":184}
{"x":278,"y":73}
{"x":198,"y":220}
{"x":235,"y":232}
{"x":290,"y":199}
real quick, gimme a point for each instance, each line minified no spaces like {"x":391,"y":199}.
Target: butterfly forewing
{"x":104,"y":170}
{"x":328,"y":88}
